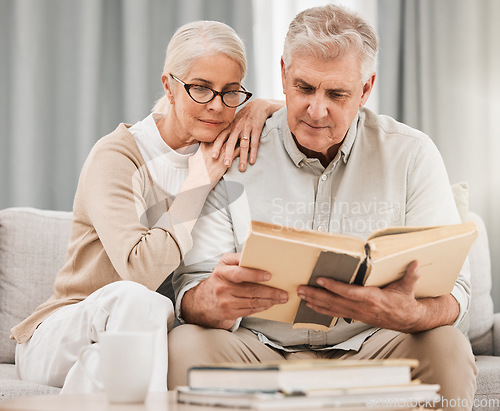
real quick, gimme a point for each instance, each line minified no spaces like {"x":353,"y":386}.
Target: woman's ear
{"x":166,"y":88}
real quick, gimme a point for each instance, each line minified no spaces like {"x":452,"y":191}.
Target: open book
{"x":296,"y":257}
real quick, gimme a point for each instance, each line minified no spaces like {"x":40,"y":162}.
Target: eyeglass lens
{"x":204,"y":95}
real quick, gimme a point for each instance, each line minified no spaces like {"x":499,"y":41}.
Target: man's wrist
{"x":434,"y":312}
{"x":195,"y":310}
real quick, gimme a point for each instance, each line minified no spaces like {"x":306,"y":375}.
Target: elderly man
{"x":327,"y":164}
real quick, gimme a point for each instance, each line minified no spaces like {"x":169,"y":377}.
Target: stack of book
{"x":383,"y":384}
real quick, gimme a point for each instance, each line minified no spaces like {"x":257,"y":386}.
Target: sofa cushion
{"x":8,"y":372}
{"x":481,"y":308}
{"x":488,"y":379}
{"x":461,"y":196}
{"x":33,"y":247}
{"x":16,"y":388}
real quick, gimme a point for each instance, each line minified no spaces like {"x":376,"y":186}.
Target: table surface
{"x":156,"y":401}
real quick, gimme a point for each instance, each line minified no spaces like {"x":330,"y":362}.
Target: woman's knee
{"x":128,"y":302}
{"x":132,"y":293}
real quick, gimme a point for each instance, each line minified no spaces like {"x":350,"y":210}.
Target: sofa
{"x":33,"y":247}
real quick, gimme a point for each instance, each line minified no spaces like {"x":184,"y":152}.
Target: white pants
{"x":50,"y":357}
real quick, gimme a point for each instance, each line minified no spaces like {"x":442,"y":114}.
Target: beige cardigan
{"x":121,"y":229}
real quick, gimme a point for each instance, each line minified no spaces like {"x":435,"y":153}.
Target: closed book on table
{"x":403,"y":397}
{"x":301,"y":375}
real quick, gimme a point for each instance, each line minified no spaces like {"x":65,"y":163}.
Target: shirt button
{"x":321,"y":228}
{"x":324,"y":177}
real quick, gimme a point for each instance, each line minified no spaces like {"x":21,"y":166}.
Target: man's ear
{"x":283,"y":75}
{"x":367,"y":89}
{"x":166,"y":88}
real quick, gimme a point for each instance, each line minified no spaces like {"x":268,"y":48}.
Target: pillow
{"x":461,"y":195}
{"x":33,"y":247}
{"x":481,"y":307}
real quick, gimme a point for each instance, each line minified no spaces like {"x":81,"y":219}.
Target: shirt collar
{"x":346,"y":146}
{"x":290,"y":146}
{"x":298,"y":157}
{"x":178,"y":158}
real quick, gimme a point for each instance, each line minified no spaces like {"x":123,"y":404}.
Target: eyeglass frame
{"x":216,"y":93}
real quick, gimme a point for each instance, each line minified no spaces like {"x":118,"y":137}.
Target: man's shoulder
{"x":274,"y":125}
{"x":384,"y":125}
{"x":271,"y":153}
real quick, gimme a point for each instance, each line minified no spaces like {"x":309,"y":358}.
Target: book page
{"x":440,"y":261}
{"x":395,"y":242}
{"x":327,"y":241}
{"x":290,"y":265}
{"x":398,"y":230}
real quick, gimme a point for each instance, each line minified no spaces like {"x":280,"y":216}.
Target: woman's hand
{"x":245,"y":128}
{"x":204,"y":173}
{"x":206,"y":168}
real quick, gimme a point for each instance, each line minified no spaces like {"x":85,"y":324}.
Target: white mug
{"x":126,"y":363}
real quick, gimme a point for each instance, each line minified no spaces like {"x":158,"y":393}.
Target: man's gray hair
{"x":328,"y":32}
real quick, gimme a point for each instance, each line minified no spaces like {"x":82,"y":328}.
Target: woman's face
{"x":192,"y":122}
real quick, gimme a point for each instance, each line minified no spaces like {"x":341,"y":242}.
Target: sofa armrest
{"x":496,"y":334}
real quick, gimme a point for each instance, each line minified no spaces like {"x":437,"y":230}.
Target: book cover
{"x":297,"y":257}
{"x":297,"y":376}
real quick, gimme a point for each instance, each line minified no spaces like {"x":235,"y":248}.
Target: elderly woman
{"x":140,"y":192}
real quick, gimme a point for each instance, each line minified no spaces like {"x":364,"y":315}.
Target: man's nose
{"x":318,"y":108}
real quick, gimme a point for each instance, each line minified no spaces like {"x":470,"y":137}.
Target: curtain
{"x":72,"y":70}
{"x":438,"y":71}
{"x":271,"y":21}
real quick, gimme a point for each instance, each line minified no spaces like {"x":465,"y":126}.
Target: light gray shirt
{"x":385,"y":174}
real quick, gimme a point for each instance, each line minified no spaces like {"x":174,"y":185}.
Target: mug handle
{"x":81,"y":359}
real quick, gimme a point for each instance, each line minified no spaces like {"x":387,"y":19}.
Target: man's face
{"x":322,"y":99}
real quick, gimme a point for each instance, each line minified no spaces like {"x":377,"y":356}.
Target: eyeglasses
{"x":203,"y":95}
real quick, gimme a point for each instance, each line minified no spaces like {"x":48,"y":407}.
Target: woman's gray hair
{"x":328,"y":32}
{"x":198,"y":39}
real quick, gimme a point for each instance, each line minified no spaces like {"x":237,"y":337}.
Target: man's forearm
{"x":438,"y":311}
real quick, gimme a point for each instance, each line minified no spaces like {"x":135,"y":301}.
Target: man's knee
{"x":204,"y":344}
{"x":446,"y":358}
{"x":443,"y":345}
{"x":190,"y":345}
